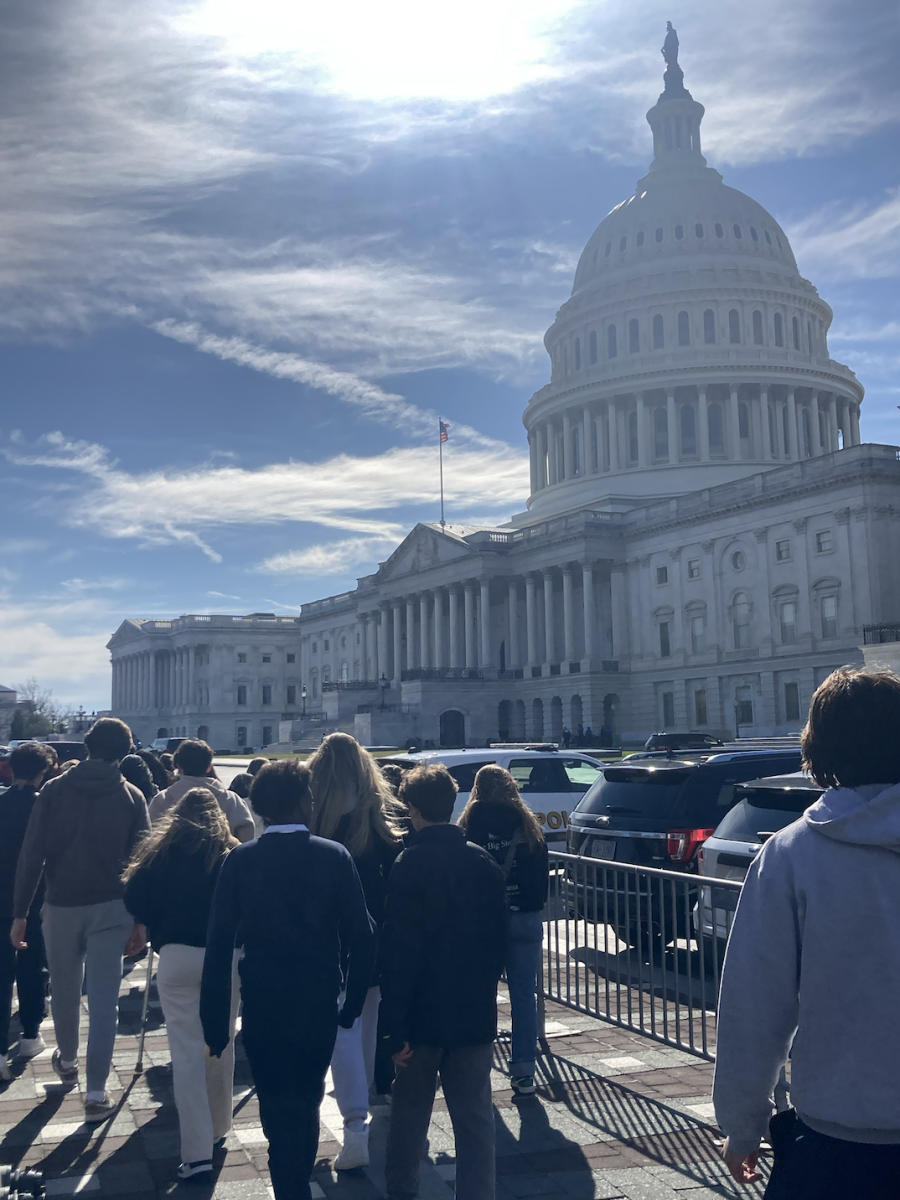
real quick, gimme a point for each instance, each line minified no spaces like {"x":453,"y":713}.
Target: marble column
{"x":531,"y":621}
{"x":734,"y":425}
{"x":703,"y":423}
{"x":568,"y":465}
{"x":764,"y":422}
{"x":410,"y":634}
{"x":612,"y":434}
{"x":641,"y":428}
{"x":453,"y":604}
{"x":587,"y":441}
{"x":832,"y":422}
{"x":469,"y":624}
{"x":672,"y":425}
{"x":485,"y":623}
{"x":568,"y":616}
{"x":381,"y":642}
{"x":552,"y":454}
{"x":541,"y":456}
{"x":854,"y":424}
{"x":154,"y":681}
{"x":363,"y":646}
{"x":815,"y":426}
{"x":438,"y":655}
{"x":397,"y":612}
{"x":549,"y":639}
{"x":512,"y":654}
{"x":793,"y":450}
{"x":618,"y":611}
{"x":189,"y":664}
{"x":532,"y":461}
{"x":590,"y":616}
{"x":424,"y":630}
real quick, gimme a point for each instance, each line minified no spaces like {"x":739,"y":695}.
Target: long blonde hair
{"x":346,"y":782}
{"x":495,"y":785}
{"x":196,"y":822}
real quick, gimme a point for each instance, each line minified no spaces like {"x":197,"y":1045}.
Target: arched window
{"x":606,"y":252}
{"x":734,"y":326}
{"x":684,"y":329}
{"x":634,"y":336}
{"x":576,"y":451}
{"x":593,"y":345}
{"x":716,"y":429}
{"x":345,"y":672}
{"x":659,"y":234}
{"x":698,"y":230}
{"x":779,"y":330}
{"x":611,"y":346}
{"x":658,"y":334}
{"x":754,"y":234}
{"x":640,"y":238}
{"x":688,"y":431}
{"x":623,"y":242}
{"x":679,"y":232}
{"x":737,"y":231}
{"x":578,"y":354}
{"x":720,"y":232}
{"x":795,"y":325}
{"x":709,"y":327}
{"x":757,"y":328}
{"x":660,"y":433}
{"x":632,"y":437}
{"x":768,"y":238}
{"x":743,"y":421}
{"x":740,"y":619}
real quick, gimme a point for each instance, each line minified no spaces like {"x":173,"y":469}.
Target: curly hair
{"x":495,"y":785}
{"x":196,"y":822}
{"x":346,"y":781}
{"x":852,"y":736}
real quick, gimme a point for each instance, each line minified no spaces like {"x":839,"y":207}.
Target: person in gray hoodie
{"x":812,"y":969}
{"x":194,"y":760}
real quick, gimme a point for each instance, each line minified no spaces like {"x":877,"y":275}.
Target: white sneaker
{"x":30,"y":1047}
{"x":354,"y":1152}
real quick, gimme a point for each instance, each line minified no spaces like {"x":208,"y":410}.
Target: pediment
{"x":129,"y":631}
{"x":425,"y":548}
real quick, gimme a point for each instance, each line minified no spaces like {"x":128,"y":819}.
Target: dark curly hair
{"x":852,"y":736}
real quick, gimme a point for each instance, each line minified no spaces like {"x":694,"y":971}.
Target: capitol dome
{"x":691,"y":351}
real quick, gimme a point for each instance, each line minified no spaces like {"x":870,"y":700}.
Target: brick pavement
{"x":617,"y":1115}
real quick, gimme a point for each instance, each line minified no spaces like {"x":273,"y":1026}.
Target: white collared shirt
{"x":284,"y":829}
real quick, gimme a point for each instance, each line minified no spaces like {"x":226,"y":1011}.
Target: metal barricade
{"x":639,"y":947}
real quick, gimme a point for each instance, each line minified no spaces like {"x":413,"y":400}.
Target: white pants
{"x":203,"y":1085}
{"x":353,"y":1064}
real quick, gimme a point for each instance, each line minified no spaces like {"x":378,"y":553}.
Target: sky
{"x":251,"y":251}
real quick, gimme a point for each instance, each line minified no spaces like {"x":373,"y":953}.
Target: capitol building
{"x":705,"y":538}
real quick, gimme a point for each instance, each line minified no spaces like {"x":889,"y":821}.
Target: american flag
{"x":445,"y":431}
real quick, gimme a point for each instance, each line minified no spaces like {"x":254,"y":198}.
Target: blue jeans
{"x":523,"y":961}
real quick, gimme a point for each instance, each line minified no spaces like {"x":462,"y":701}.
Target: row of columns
{"x":428,"y":634}
{"x":595,"y":438}
{"x":150,"y":679}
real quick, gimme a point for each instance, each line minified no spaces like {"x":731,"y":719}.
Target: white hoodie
{"x":814,"y":960}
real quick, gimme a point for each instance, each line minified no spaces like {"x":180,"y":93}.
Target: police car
{"x":550,"y":781}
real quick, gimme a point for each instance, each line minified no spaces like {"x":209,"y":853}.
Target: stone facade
{"x":705,"y":537}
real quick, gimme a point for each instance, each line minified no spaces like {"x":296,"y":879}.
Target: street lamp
{"x":303,"y":698}
{"x":384,"y":685}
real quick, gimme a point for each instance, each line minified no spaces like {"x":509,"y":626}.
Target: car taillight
{"x":681,"y":843}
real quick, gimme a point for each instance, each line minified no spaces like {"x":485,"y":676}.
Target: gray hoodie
{"x":237,"y":811}
{"x":814,"y":960}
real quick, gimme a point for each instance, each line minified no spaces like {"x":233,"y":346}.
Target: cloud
{"x":345,"y":492}
{"x":74,"y":664}
{"x":329,"y":558}
{"x":860,"y":243}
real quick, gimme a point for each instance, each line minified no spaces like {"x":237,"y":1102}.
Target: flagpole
{"x":441,"y":460}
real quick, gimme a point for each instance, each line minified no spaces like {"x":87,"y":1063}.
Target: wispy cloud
{"x":329,"y":558}
{"x":860,"y":243}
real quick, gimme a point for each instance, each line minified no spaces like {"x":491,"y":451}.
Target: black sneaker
{"x":523,"y":1085}
{"x":199,"y":1171}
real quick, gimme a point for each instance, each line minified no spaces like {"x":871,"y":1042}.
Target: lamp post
{"x":384,"y":685}
{"x":303,"y":699}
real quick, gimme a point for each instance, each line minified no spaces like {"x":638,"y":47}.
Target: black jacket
{"x":443,"y":943}
{"x":373,"y":868}
{"x":293,"y":902}
{"x":171,"y":893}
{"x":16,"y":804}
{"x":493,"y":826}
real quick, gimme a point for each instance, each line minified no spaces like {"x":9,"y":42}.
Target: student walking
{"x":295,"y":904}
{"x":442,"y":952}
{"x":82,"y":831}
{"x":497,"y":818}
{"x":31,"y":763}
{"x":813,"y":966}
{"x":193,"y":760}
{"x":169,"y":887}
{"x":351,"y":804}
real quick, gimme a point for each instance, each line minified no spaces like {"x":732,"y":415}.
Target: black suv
{"x":682,"y":741}
{"x":654,"y":813}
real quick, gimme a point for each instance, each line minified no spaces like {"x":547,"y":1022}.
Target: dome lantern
{"x":676,"y":116}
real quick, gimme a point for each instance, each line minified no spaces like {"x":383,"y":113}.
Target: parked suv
{"x":682,"y":741}
{"x":762,"y":807}
{"x":166,"y":745}
{"x":655,"y":813}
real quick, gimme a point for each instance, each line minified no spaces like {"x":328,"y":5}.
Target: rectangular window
{"x":267,"y":693}
{"x":242,"y":735}
{"x":315,"y":647}
{"x":242,"y":694}
{"x":698,"y":634}
{"x":267,"y":735}
{"x":792,"y":701}
{"x":829,"y":617}
{"x":267,"y":658}
{"x":701,"y":716}
{"x":783,"y":550}
{"x":290,"y":693}
{"x":668,"y":709}
{"x":788,"y":623}
{"x":292,"y":658}
{"x":242,"y":658}
{"x":326,"y":645}
{"x":693,"y":568}
{"x":824,"y":542}
{"x":743,"y":706}
{"x":662,"y":575}
{"x":665,"y":649}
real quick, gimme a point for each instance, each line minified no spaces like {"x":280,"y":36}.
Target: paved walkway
{"x":616,"y":1116}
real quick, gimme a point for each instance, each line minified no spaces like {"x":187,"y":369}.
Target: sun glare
{"x":396,"y":48}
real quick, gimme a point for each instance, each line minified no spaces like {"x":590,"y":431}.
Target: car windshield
{"x":464,"y":774}
{"x":642,"y":791}
{"x":764,"y":810}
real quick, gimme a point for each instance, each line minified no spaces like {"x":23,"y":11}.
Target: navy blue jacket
{"x":293,"y":902}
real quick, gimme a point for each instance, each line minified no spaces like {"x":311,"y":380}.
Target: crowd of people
{"x":330,"y":903}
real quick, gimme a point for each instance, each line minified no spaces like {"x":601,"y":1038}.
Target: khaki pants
{"x":203,"y":1085}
